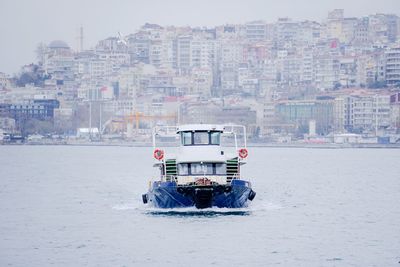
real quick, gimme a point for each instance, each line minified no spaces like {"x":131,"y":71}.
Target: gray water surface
{"x":81,"y":206}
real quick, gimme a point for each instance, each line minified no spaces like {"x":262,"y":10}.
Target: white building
{"x":366,"y":112}
{"x":4,"y":80}
{"x":202,"y":79}
{"x":184,"y":55}
{"x":326,"y":69}
{"x":59,"y":62}
{"x":256,"y":30}
{"x":393,"y":65}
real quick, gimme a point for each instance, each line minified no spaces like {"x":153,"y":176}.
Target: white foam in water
{"x":125,"y":206}
{"x":254,"y":207}
{"x":194,"y":209}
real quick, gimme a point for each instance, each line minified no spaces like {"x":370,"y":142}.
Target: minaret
{"x":81,"y":39}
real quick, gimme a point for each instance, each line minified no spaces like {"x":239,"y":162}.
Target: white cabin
{"x":201,"y":156}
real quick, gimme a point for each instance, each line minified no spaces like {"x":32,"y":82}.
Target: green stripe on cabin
{"x":232,"y":168}
{"x":170,"y":166}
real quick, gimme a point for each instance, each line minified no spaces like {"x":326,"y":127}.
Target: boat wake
{"x":255,"y":208}
{"x":125,"y":206}
{"x":194,"y":212}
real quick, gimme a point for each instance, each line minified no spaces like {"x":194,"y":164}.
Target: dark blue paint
{"x":165,"y":195}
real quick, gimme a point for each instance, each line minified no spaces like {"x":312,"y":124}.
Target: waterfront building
{"x":393,"y":65}
{"x":339,"y":117}
{"x":395,"y":111}
{"x":6,"y":124}
{"x":22,"y":112}
{"x":300,"y":112}
{"x":270,"y":122}
{"x":366,"y":112}
{"x":215,"y":112}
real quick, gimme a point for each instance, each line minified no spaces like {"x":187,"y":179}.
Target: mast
{"x":90,"y":119}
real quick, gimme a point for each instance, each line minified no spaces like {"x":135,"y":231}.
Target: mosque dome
{"x":58,"y":44}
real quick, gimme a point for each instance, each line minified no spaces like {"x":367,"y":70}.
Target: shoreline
{"x":268,"y":145}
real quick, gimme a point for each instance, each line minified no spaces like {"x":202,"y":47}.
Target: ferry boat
{"x":202,"y":173}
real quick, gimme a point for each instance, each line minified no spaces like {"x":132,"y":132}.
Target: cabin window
{"x":215,"y":138}
{"x":220,"y":169}
{"x":186,"y":138}
{"x":201,"y":169}
{"x":201,"y":138}
{"x":183,"y":169}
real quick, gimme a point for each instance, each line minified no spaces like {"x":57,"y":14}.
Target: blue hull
{"x":169,"y":195}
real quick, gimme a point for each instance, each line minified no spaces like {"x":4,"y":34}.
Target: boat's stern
{"x":202,"y":195}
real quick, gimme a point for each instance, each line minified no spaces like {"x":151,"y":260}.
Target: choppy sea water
{"x":81,"y":206}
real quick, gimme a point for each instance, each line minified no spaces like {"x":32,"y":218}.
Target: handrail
{"x":226,"y":127}
{"x":236,"y":176}
{"x":156,"y":130}
{"x":174,"y":178}
{"x":232,"y":126}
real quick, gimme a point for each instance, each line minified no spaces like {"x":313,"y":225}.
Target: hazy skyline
{"x":24,"y":24}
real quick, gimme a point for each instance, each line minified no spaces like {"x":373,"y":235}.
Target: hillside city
{"x":333,"y":81}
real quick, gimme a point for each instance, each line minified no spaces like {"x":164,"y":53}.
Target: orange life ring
{"x":243,"y":153}
{"x":158,"y":154}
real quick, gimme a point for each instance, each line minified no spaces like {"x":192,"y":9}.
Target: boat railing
{"x":169,"y":178}
{"x":173,"y":178}
{"x":236,"y":176}
{"x":165,"y":130}
{"x":234,"y":130}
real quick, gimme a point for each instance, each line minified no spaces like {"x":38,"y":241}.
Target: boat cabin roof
{"x":199,"y":127}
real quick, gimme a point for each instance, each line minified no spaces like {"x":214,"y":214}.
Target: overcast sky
{"x":25,"y":23}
